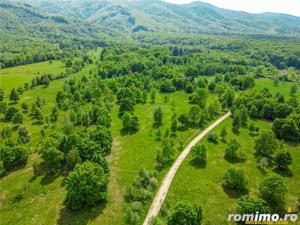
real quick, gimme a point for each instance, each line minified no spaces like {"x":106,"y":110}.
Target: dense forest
{"x":97,"y":121}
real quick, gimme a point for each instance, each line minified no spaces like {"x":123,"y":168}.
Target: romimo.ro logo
{"x":259,"y":218}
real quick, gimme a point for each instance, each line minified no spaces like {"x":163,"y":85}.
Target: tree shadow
{"x":79,"y":217}
{"x":183,"y":128}
{"x":12,"y":103}
{"x":14,"y":169}
{"x":234,"y":193}
{"x":261,"y":170}
{"x":37,"y":123}
{"x":125,"y":132}
{"x":253,"y":134}
{"x":283,"y":172}
{"x":236,"y":132}
{"x":198,"y":165}
{"x":49,"y":178}
{"x":234,"y":160}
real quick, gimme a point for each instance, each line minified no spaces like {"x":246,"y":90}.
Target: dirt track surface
{"x":166,"y":183}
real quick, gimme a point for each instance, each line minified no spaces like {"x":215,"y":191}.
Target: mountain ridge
{"x":117,"y":17}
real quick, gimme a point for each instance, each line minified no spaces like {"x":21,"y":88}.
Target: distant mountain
{"x":92,"y":17}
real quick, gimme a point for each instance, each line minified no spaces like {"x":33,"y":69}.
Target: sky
{"x":253,"y":6}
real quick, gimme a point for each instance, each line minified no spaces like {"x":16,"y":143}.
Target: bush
{"x":86,"y":186}
{"x":13,"y":155}
{"x":184,"y":214}
{"x":235,"y":179}
{"x":213,"y":138}
{"x":52,"y":158}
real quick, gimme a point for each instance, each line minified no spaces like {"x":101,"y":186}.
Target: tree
{"x":102,"y":137}
{"x":1,"y":95}
{"x":199,"y":97}
{"x":213,"y":138}
{"x":52,"y":158}
{"x":10,"y":112}
{"x":38,"y":114}
{"x":36,"y":168}
{"x":73,"y":158}
{"x":13,"y":95}
{"x":266,"y":145}
{"x":40,"y":102}
{"x":158,"y":116}
{"x":199,"y":153}
{"x":186,"y":214}
{"x":86,"y":186}
{"x":24,"y":135}
{"x":293,"y":90}
{"x":17,"y":118}
{"x":286,"y":129}
{"x":183,"y":120}
{"x":273,"y":189}
{"x":235,"y":179}
{"x":194,"y":114}
{"x":232,"y":149}
{"x":13,"y":155}
{"x":126,"y":118}
{"x":229,"y":97}
{"x":282,"y":159}
{"x":54,"y":114}
{"x":223,"y":133}
{"x":25,"y":106}
{"x":152,"y":97}
{"x":130,"y":122}
{"x":251,"y":205}
{"x":237,"y":120}
{"x":253,"y":130}
{"x":174,"y":123}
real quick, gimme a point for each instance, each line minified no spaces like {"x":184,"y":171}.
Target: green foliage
{"x":286,"y":129}
{"x":86,"y":186}
{"x":52,"y":158}
{"x":273,"y":190}
{"x":158,"y":117}
{"x":36,"y":168}
{"x":213,"y":138}
{"x":199,"y":153}
{"x":13,"y":155}
{"x":73,"y":158}
{"x":235,"y":179}
{"x":17,"y":118}
{"x":266,"y":145}
{"x":232,"y":150}
{"x":185,"y":214}
{"x":282,"y":159}
{"x":24,"y":135}
{"x":130,"y":123}
{"x":13,"y":95}
{"x":251,"y":205}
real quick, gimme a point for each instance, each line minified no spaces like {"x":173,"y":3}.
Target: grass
{"x":282,"y":88}
{"x":16,"y":77}
{"x":204,"y":185}
{"x":44,"y":196}
{"x":28,"y":200}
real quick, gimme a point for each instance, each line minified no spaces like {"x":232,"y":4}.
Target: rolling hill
{"x":130,"y":16}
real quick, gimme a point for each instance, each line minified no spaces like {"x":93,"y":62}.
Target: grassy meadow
{"x":16,"y":77}
{"x":29,"y":200}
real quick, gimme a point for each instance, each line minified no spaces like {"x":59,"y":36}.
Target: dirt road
{"x":165,"y":185}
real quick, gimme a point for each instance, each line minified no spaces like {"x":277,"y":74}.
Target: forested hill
{"x":131,"y":16}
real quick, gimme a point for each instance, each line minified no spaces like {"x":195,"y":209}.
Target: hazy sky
{"x":254,"y":6}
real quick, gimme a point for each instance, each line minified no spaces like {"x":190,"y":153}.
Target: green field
{"x":16,"y":77}
{"x":45,"y":195}
{"x":282,"y":88}
{"x":204,"y":185}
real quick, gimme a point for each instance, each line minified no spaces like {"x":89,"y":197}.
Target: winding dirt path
{"x":165,"y":185}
